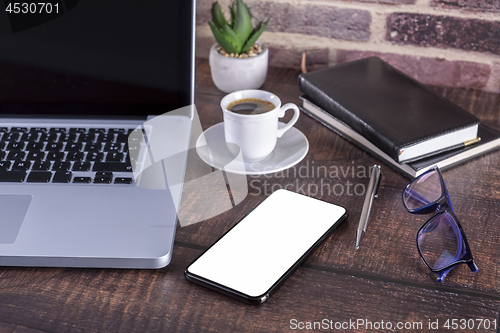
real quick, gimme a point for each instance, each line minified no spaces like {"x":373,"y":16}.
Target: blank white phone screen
{"x":267,"y":242}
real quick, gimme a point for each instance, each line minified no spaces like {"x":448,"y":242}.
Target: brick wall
{"x":453,"y":43}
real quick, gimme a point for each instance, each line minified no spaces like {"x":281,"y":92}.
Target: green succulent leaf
{"x":259,"y":29}
{"x":237,"y":35}
{"x":222,"y":40}
{"x":242,"y":21}
{"x":217,"y":16}
{"x":232,"y":9}
{"x":233,"y":37}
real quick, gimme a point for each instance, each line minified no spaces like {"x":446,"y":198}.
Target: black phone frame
{"x":257,"y":300}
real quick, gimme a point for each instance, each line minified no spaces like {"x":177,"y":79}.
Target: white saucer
{"x":290,"y":149}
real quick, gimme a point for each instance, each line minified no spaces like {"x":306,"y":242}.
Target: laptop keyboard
{"x":65,"y":155}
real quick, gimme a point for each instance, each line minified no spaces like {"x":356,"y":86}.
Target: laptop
{"x":74,"y":84}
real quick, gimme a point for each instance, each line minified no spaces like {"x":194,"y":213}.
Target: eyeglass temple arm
{"x":449,"y":200}
{"x":443,"y":274}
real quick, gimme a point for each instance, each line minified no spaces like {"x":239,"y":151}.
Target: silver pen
{"x":371,"y":193}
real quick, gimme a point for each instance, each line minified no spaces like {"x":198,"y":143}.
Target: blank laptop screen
{"x":127,"y":58}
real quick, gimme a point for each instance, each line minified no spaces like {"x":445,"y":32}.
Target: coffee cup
{"x":251,"y":122}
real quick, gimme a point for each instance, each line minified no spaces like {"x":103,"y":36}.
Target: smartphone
{"x":252,"y":259}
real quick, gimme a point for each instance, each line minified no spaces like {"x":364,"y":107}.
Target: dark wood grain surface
{"x":385,"y":280}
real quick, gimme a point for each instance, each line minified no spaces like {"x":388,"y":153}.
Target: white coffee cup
{"x":255,"y":134}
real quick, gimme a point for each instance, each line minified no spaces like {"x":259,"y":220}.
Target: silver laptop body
{"x":92,"y":81}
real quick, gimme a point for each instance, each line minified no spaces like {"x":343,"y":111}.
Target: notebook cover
{"x":490,"y":140}
{"x":387,"y":107}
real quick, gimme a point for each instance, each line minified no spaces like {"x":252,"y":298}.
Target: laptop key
{"x":16,"y":155}
{"x":39,"y":177}
{"x":35,"y":155}
{"x":48,"y":137}
{"x":70,"y":137}
{"x":28,"y":136}
{"x":34,"y":146}
{"x":73,"y":146}
{"x":116,"y":130}
{"x":61,"y":166}
{"x":41,"y":165}
{"x":62,"y":177}
{"x":11,"y":136}
{"x":114,"y":157}
{"x":96,"y":147}
{"x":122,"y":138}
{"x":103,"y":178}
{"x":4,"y":129}
{"x":74,"y":156}
{"x":81,"y":166}
{"x":86,"y":137}
{"x":94,"y":156}
{"x":12,"y":146}
{"x":84,"y":180}
{"x":86,"y":144}
{"x":19,"y":129}
{"x":112,"y":166}
{"x":53,"y":146}
{"x":55,"y":156}
{"x":21,"y":165}
{"x":123,"y":180}
{"x":104,"y":174}
{"x":97,"y":130}
{"x":58,"y":130}
{"x":4,"y":165}
{"x":112,"y":147}
{"x":12,"y":176}
{"x":35,"y":130}
{"x":102,"y":137}
{"x":77,"y":130}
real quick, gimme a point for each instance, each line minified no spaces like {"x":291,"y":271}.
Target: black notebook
{"x":490,"y":140}
{"x":400,"y":116}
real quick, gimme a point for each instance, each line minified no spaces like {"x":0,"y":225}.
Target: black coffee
{"x":249,"y":106}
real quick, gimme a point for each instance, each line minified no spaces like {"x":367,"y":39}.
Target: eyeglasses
{"x":441,"y":241}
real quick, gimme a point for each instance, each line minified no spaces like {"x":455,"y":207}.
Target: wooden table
{"x":384,"y":282}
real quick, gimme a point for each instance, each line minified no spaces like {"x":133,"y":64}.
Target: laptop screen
{"x":127,"y":58}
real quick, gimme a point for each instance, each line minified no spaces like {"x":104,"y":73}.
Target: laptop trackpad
{"x":13,"y":209}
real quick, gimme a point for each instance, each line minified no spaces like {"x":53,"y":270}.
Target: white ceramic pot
{"x":232,"y":74}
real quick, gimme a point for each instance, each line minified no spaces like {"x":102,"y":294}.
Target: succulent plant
{"x":238,"y":35}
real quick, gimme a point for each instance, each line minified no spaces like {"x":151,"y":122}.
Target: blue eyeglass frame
{"x":443,"y":206}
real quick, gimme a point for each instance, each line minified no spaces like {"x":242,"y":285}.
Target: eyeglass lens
{"x":440,"y":241}
{"x":423,"y":191}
